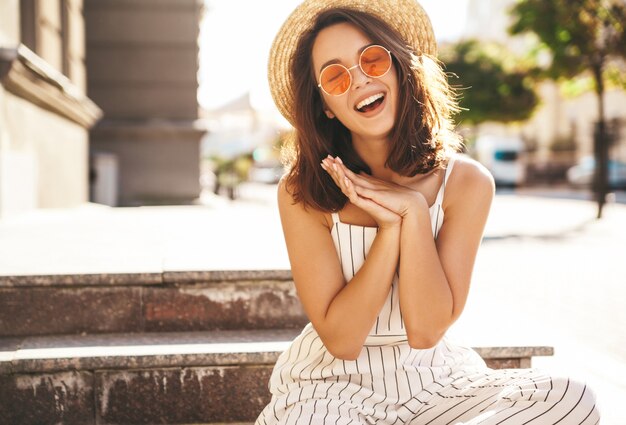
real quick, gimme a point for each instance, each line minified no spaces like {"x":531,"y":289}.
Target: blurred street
{"x":547,"y":273}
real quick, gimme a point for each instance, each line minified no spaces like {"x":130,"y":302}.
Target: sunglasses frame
{"x":358,"y":65}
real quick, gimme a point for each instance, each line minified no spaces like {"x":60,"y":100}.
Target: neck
{"x":374,"y":152}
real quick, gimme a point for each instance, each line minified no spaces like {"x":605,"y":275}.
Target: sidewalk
{"x":226,"y":235}
{"x":547,"y":272}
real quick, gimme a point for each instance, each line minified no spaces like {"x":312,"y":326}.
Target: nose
{"x":359,"y":78}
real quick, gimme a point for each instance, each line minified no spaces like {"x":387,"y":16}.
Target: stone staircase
{"x":173,"y":347}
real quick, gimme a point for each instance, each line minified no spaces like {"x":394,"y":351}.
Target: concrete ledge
{"x":151,"y":350}
{"x":26,"y":75}
{"x":174,"y":378}
{"x":131,"y":279}
{"x":171,"y":302}
{"x":181,"y":349}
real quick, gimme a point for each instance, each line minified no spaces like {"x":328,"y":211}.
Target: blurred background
{"x":142,"y":108}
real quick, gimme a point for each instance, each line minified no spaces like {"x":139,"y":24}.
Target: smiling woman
{"x":382,"y":220}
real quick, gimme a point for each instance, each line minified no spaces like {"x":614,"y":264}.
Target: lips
{"x":369,"y":102}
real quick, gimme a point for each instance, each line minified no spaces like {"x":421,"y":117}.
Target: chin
{"x":380,"y":130}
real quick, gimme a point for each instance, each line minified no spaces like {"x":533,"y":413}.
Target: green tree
{"x":582,"y":36}
{"x":493,"y":85}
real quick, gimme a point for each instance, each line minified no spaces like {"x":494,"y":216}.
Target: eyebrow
{"x":332,"y":61}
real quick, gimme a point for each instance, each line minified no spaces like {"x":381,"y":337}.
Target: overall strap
{"x":449,"y":170}
{"x":446,"y":175}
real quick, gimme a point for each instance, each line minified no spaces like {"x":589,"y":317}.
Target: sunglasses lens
{"x":375,"y":61}
{"x":335,"y":79}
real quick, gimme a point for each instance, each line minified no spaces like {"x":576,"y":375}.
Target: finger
{"x":379,"y":212}
{"x":366,"y":204}
{"x":349,"y":191}
{"x":356,"y":178}
{"x":341,"y":177}
{"x":331,"y":173}
{"x":350,"y":174}
{"x":338,"y":173}
{"x":368,"y":193}
{"x":332,"y":169}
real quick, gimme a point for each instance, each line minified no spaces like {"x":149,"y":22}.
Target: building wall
{"x":74,"y":43}
{"x":143,"y":58}
{"x":45,"y":164}
{"x":9,"y":22}
{"x":153,"y":168}
{"x":142,"y":61}
{"x":43,"y":155}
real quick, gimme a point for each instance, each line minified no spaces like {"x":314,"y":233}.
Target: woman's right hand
{"x":384,"y":217}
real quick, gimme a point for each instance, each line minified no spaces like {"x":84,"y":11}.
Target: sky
{"x":236,"y":35}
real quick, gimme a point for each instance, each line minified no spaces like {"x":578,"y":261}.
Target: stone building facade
{"x":142,"y":65}
{"x":44,"y":112}
{"x":87,"y":80}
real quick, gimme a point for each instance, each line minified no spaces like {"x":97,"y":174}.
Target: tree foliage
{"x":492,"y":84}
{"x":580,"y":34}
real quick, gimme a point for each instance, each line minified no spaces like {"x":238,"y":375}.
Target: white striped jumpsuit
{"x":392,"y":383}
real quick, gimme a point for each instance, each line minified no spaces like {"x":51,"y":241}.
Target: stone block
{"x":143,"y":65}
{"x":181,"y":396}
{"x":125,"y":23}
{"x":151,"y":100}
{"x":59,"y":398}
{"x":503,"y":363}
{"x":54,"y":311}
{"x":223,"y":305}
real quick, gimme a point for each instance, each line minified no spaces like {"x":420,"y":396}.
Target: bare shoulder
{"x":294,"y":211}
{"x":469,"y":181}
{"x":284,"y":192}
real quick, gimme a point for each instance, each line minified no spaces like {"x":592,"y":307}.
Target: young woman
{"x":382,"y":222}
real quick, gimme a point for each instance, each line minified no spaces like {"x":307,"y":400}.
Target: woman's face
{"x":343,"y":43}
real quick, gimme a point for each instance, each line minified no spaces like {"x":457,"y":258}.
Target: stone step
{"x":175,"y":378}
{"x":148,"y":302}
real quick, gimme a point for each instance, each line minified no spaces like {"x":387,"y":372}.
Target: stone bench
{"x":175,"y":378}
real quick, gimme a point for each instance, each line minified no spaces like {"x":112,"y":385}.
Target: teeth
{"x":369,"y":100}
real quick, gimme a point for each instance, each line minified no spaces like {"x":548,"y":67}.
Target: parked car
{"x":581,"y":174}
{"x":504,"y":157}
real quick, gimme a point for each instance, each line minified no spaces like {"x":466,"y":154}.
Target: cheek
{"x":336,"y":105}
{"x":395,"y":93}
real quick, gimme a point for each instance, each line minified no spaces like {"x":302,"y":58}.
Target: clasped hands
{"x":388,"y":203}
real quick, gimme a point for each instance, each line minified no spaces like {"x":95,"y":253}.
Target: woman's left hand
{"x":400,"y":199}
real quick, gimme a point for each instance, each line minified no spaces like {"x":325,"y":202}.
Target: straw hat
{"x":407,"y":17}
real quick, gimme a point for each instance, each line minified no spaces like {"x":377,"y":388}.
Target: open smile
{"x":370,"y":104}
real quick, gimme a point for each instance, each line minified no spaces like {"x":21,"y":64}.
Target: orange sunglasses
{"x":336,"y":79}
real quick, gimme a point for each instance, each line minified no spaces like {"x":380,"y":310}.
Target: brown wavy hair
{"x":421,"y":139}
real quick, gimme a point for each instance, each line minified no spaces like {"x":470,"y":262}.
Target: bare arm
{"x":435,"y":275}
{"x":341,"y":312}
